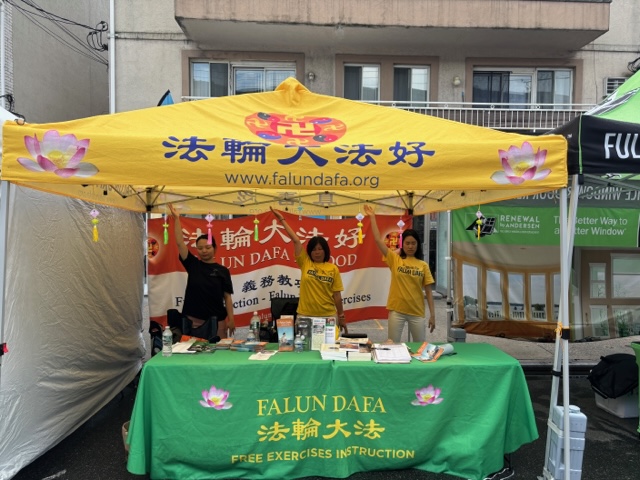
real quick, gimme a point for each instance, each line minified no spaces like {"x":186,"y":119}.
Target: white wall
{"x":72,"y":319}
{"x":609,"y":55}
{"x":51,"y":80}
{"x":148,"y":53}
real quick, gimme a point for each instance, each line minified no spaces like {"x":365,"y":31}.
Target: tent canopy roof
{"x":290,"y":148}
{"x":604,"y":141}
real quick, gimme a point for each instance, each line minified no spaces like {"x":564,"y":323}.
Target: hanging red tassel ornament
{"x":209,"y":218}
{"x":94,"y":213}
{"x":166,"y":230}
{"x":479,"y":222}
{"x":256,"y":222}
{"x":400,"y":225}
{"x":359,"y":217}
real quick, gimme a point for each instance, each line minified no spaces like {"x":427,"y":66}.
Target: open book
{"x":390,"y":353}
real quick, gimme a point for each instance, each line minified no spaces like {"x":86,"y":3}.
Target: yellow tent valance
{"x":289,"y":147}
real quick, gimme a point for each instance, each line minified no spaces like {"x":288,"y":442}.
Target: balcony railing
{"x":529,"y":118}
{"x":536,"y":118}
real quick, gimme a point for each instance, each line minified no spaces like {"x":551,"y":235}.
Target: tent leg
{"x":567,"y":224}
{"x":556,"y":372}
{"x":4,"y":222}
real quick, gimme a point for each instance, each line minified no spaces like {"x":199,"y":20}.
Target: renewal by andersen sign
{"x":595,"y":227}
{"x":590,"y":195}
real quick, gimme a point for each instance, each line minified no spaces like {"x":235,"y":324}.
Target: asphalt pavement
{"x":612,"y":445}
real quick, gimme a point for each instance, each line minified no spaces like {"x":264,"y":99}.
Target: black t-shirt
{"x":206,"y":286}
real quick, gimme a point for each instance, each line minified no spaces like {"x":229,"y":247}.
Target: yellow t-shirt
{"x":408,"y":278}
{"x":318,"y":282}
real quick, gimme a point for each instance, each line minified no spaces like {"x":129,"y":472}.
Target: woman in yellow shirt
{"x":320,"y":281}
{"x":410,"y":275}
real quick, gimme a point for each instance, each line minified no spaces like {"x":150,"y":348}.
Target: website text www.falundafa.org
{"x":294,"y":180}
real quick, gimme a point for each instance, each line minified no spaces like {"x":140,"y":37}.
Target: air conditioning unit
{"x":612,"y":83}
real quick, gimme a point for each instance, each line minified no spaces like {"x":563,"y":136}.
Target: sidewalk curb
{"x":537,"y":368}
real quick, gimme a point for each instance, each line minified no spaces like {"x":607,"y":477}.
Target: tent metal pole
{"x":561,"y":355}
{"x":564,"y":310}
{"x":450,"y":300}
{"x":569,"y":220}
{"x":4,"y":222}
{"x":553,"y":401}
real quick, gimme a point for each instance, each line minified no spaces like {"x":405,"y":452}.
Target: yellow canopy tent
{"x":290,"y":148}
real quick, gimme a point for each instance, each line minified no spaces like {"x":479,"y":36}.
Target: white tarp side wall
{"x":73,"y":319}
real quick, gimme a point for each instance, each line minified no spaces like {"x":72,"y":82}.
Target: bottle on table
{"x":254,"y":326}
{"x":303,"y":327}
{"x":167,"y":342}
{"x":298,"y":343}
{"x":251,"y":337}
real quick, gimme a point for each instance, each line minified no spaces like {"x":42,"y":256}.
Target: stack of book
{"x":243,"y":346}
{"x":255,"y":346}
{"x":224,"y":344}
{"x":358,"y":349}
{"x":238,"y":345}
{"x":332,"y":351}
{"x":362,"y":355}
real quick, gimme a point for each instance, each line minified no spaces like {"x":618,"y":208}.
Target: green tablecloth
{"x":297,"y":415}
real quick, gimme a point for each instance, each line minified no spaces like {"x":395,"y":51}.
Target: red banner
{"x":260,"y":257}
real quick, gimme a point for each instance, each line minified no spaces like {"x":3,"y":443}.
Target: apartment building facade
{"x":525,"y":65}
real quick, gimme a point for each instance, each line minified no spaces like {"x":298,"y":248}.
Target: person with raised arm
{"x":410,"y":276}
{"x":209,"y":288}
{"x":320,"y":281}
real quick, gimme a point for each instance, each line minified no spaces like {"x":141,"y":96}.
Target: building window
{"x":627,"y":320}
{"x":218,"y":79}
{"x":470,"y":291}
{"x":538,"y":297}
{"x":410,"y":84}
{"x":493,"y":292}
{"x":557,"y":287}
{"x":599,"y":320}
{"x":523,"y":87}
{"x":516,"y":296}
{"x":362,"y":82}
{"x":626,"y":276}
{"x":597,"y":280}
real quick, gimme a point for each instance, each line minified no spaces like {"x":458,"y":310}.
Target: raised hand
{"x":368,"y":210}
{"x":172,"y":209}
{"x":277,"y":214}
